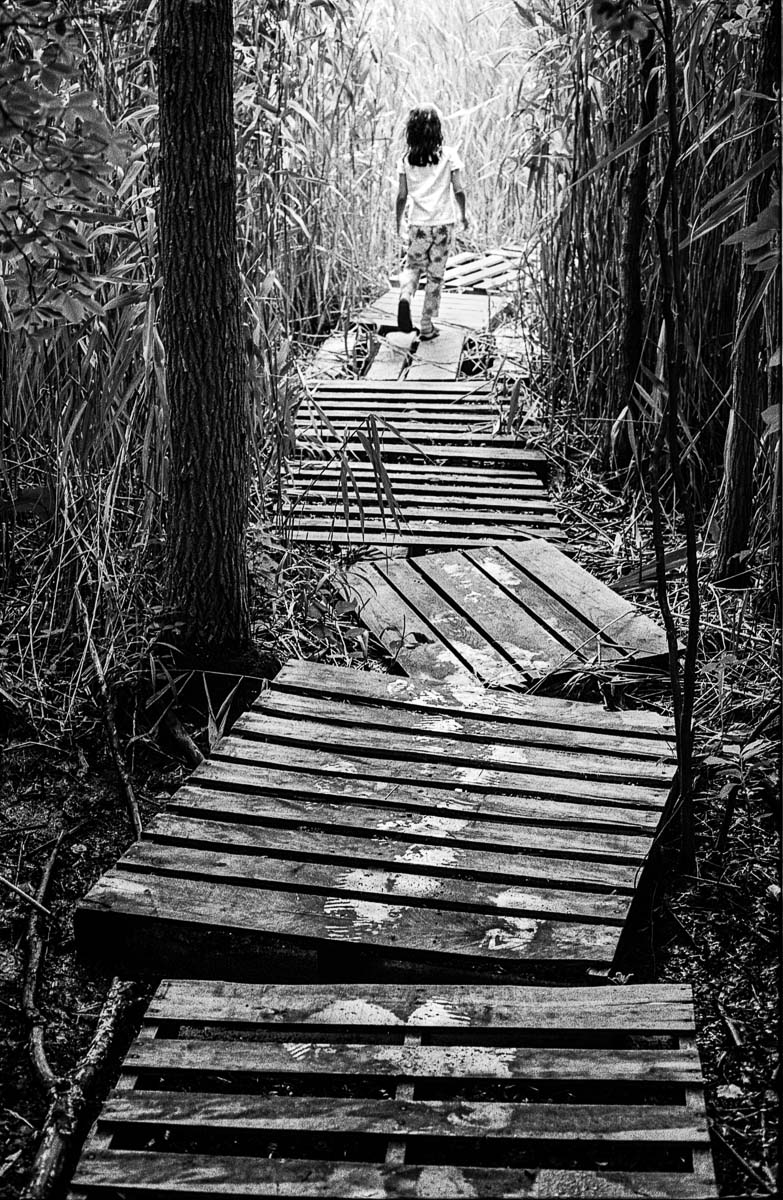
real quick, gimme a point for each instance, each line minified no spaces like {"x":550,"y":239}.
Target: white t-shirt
{"x":429,"y":188}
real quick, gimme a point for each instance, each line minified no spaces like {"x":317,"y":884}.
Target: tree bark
{"x":748,"y":386}
{"x":205,"y":372}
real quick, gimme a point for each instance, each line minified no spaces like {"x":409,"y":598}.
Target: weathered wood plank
{"x":535,"y":731}
{"x":574,"y":1122}
{"x":140,"y":1172}
{"x":617,"y":618}
{"x":391,"y":734}
{"x":417,"y":1062}
{"x":288,"y":857}
{"x":539,"y":611}
{"x":391,"y":878}
{"x":473,"y":313}
{"x":142,"y":908}
{"x":343,"y":755}
{"x":468,"y":697}
{"x":488,"y":842}
{"x":659,"y":1008}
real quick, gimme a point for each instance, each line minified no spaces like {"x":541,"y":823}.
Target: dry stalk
{"x":109,"y":721}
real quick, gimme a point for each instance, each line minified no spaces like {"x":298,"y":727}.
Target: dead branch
{"x":65,"y":1120}
{"x":34,"y":956}
{"x":25,"y":895}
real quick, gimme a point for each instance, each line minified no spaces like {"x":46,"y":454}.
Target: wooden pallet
{"x":512,"y":613}
{"x":354,"y":823}
{"x":345,"y":1091}
{"x":498,"y":270}
{"x":475,"y":312}
{"x":443,"y":413}
{"x":437,"y":507}
{"x":492,"y":271}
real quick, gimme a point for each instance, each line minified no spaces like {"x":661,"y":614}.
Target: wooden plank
{"x":396,"y":734}
{"x":534,"y":501}
{"x":608,"y":755}
{"x":424,"y":438}
{"x":295,"y":747}
{"x":371,"y":880}
{"x":417,"y":1062}
{"x":535,"y":512}
{"x":560,"y":619}
{"x":464,"y":311}
{"x":430,"y":454}
{"x":470,"y":697}
{"x":132,"y":917}
{"x":439,"y":358}
{"x":644,"y":1008}
{"x":319,"y":533}
{"x":444,"y":1119}
{"x":617,"y":617}
{"x":286,"y":856}
{"x":440,"y":472}
{"x":442,"y":533}
{"x":489,"y":842}
{"x":239,"y":1176}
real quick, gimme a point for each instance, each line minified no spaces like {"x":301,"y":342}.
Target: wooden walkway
{"x":352,"y":817}
{"x":430,"y":437}
{"x":236,"y":1090}
{"x":512,"y":613}
{"x":375,"y":869}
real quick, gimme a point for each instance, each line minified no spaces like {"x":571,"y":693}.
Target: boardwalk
{"x":357,"y":899}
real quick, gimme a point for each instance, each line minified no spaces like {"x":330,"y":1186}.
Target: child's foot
{"x":429,"y":334}
{"x":404,"y":323}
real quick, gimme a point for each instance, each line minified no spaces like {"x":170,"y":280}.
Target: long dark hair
{"x":424,"y":136}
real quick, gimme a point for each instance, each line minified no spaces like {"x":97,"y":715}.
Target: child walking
{"x":430,"y":179}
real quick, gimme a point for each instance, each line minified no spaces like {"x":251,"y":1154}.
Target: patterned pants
{"x":428,"y":249}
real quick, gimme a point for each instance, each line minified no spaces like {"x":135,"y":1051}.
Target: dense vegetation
{"x":631,"y":149}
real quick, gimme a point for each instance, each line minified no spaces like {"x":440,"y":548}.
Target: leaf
{"x":771,"y":416}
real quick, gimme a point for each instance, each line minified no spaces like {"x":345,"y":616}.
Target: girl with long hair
{"x":430,"y":180}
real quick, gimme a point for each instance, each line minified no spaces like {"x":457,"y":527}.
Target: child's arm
{"x":459,"y":196}
{"x":402,"y":198}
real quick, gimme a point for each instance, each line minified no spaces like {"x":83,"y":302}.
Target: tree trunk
{"x":205,"y":376}
{"x":747,"y":374}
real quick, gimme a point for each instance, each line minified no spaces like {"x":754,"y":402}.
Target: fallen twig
{"x":35,"y":952}
{"x":65,"y":1119}
{"x":25,"y":895}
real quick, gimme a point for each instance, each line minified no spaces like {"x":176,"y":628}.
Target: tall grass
{"x":321,"y":95}
{"x":589,"y":143}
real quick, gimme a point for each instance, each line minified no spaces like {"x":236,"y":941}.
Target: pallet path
{"x":324,"y":1091}
{"x":426,"y":503}
{"x":362,"y":827}
{"x":351,"y":817}
{"x":511,"y":613}
{"x":472,"y":312}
